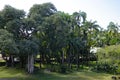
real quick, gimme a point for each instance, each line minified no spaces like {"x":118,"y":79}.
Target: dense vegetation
{"x":109,"y":59}
{"x":56,"y":40}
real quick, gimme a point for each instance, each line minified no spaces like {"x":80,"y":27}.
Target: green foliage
{"x":9,"y":13}
{"x":28,"y":47}
{"x":63,"y":68}
{"x":2,"y":23}
{"x":109,"y":59}
{"x":13,"y":27}
{"x":112,"y":34}
{"x":7,"y":44}
{"x":43,"y":10}
{"x":39,"y":12}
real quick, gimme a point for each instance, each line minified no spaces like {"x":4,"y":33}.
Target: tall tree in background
{"x":112,"y":34}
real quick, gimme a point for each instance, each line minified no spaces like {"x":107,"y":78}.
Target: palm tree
{"x":112,"y":33}
{"x":89,"y":31}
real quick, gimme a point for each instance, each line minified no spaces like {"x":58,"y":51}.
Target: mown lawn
{"x":18,"y":74}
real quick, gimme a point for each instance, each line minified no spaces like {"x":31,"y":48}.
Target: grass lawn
{"x":18,"y":74}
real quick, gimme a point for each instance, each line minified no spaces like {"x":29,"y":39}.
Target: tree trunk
{"x":78,"y":64}
{"x":12,"y":61}
{"x":62,"y":57}
{"x":88,"y":56}
{"x":30,"y":65}
{"x":69,"y":61}
{"x":40,"y":61}
{"x":22,"y":61}
{"x":40,"y":64}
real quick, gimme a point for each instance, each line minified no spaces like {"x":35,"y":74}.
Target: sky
{"x":102,"y":11}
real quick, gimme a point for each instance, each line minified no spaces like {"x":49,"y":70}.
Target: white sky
{"x":103,"y":11}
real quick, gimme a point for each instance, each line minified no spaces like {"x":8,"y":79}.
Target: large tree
{"x":56,"y":29}
{"x":9,"y":13}
{"x":38,"y":13}
{"x":8,"y":46}
{"x":29,"y":49}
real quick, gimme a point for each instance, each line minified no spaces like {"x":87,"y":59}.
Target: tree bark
{"x":12,"y":61}
{"x":62,"y":57}
{"x":40,"y":65}
{"x":23,"y":61}
{"x":78,"y":64}
{"x":30,"y":65}
{"x":69,"y":60}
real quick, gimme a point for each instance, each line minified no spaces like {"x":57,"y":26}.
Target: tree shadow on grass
{"x":10,"y":73}
{"x":15,"y":74}
{"x":54,"y":76}
{"x":73,"y":76}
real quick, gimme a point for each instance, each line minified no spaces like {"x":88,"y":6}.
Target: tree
{"x":56,"y":29}
{"x":28,"y":48}
{"x":77,"y":42}
{"x":8,"y":46}
{"x":90,"y":30}
{"x":11,"y":20}
{"x":112,"y":34}
{"x":9,"y":13}
{"x":27,"y":45}
{"x":86,"y":32}
{"x":2,"y":23}
{"x":14,"y":27}
{"x":21,"y":28}
{"x":39,"y":11}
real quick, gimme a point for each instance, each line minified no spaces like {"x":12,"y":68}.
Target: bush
{"x":118,"y":70}
{"x":63,"y":68}
{"x":108,"y":59}
{"x":103,"y":67}
{"x":2,"y":63}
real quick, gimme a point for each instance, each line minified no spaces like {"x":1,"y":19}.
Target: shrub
{"x":108,"y":59}
{"x":105,"y":67}
{"x":63,"y":68}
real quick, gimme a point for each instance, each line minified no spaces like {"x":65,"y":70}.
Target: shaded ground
{"x":8,"y":79}
{"x":17,"y":74}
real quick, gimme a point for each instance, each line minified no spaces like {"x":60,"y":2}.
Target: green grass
{"x":1,"y":60}
{"x":11,"y":73}
{"x":18,"y":74}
